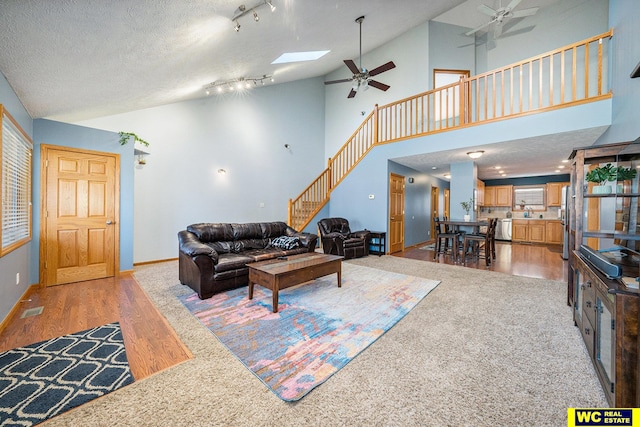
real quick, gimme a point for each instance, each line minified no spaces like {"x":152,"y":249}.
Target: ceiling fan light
{"x":365,"y":85}
{"x":475,"y":154}
{"x":356,"y":85}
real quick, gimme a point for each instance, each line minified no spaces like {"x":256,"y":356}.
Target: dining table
{"x":469,"y":227}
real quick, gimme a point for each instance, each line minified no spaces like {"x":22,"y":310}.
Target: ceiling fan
{"x":499,"y":16}
{"x":361,"y":76}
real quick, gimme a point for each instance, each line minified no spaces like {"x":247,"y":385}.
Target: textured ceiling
{"x":72,"y":60}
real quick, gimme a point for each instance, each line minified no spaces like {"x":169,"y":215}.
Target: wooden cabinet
{"x":498,"y":195}
{"x":537,"y":231}
{"x":606,"y":311}
{"x":554,"y":232}
{"x":607,"y":317}
{"x":489,"y":196}
{"x":554,"y":193}
{"x":480,"y":200}
{"x":504,"y":194}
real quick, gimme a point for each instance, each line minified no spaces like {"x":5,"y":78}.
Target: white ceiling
{"x":73,"y":60}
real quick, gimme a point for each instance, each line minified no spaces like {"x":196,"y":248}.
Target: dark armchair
{"x":337,"y":238}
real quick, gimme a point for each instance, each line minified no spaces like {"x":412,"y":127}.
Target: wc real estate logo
{"x":578,"y":417}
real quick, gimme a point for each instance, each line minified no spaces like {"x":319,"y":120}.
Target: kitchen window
{"x":529,"y":197}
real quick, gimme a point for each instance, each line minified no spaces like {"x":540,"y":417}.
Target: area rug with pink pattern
{"x":318,"y":329}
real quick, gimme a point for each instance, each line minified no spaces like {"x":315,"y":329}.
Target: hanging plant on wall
{"x":126,"y":136}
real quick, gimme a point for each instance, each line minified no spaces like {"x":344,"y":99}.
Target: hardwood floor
{"x":518,"y":259}
{"x":151,"y":344}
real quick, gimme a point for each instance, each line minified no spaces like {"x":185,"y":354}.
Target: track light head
{"x":237,"y":26}
{"x":273,"y":8}
{"x":255,"y":16}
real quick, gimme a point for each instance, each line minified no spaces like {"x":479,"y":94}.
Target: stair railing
{"x":561,"y":78}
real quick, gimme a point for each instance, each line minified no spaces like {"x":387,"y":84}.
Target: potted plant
{"x":523,"y":203}
{"x":624,"y":174}
{"x":467,"y":206}
{"x":600,"y":176}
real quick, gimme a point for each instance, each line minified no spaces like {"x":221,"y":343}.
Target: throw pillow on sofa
{"x":286,"y":242}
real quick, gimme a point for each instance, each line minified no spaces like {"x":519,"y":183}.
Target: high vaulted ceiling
{"x":72,"y":60}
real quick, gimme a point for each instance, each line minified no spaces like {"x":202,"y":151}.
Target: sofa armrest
{"x":189,"y":244}
{"x":308,"y":240}
{"x":362,"y":234}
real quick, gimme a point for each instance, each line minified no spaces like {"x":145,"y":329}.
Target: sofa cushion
{"x":231,"y":261}
{"x":246,"y":231}
{"x":273,"y":229}
{"x":286,"y":242}
{"x":247,"y":244}
{"x":210,"y":232}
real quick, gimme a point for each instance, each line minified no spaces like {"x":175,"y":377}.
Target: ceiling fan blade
{"x":378,"y":85}
{"x":525,"y":12}
{"x":352,"y":66}
{"x":352,"y":94}
{"x":337,"y":81}
{"x":513,"y":4}
{"x":487,"y":10}
{"x":480,"y":27}
{"x":381,"y":69}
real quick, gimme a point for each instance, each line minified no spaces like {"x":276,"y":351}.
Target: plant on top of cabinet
{"x":625,"y":174}
{"x":601,"y":175}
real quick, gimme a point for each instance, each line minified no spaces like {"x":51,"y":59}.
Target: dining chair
{"x":447,"y":236}
{"x":481,"y":245}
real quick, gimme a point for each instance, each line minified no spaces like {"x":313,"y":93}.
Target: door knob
{"x":109,"y":222}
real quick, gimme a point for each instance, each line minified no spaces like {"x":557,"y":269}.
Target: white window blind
{"x":16,"y":184}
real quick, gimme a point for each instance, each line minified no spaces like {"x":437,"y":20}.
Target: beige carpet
{"x":482,"y":349}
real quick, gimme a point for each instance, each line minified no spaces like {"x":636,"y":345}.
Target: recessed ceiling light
{"x":565,"y":161}
{"x":447,"y":175}
{"x":561,"y":167}
{"x":503,"y":174}
{"x":557,"y":170}
{"x":497,"y":167}
{"x":300,"y":56}
{"x":500,"y":171}
{"x":433,"y":167}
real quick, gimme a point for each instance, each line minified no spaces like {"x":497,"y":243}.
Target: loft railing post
{"x":329,"y":177}
{"x":375,"y":125}
{"x":462,"y":101}
{"x":290,"y":214}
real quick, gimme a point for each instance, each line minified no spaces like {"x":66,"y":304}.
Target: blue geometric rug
{"x":42,"y":380}
{"x":318,"y":328}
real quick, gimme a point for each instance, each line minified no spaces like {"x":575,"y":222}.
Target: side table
{"x":378,"y":242}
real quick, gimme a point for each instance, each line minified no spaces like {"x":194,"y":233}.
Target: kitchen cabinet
{"x":554,"y":193}
{"x":498,"y":195}
{"x":480,"y":201}
{"x":537,"y":231}
{"x":554,"y":232}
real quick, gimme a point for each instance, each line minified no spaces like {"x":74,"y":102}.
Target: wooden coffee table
{"x":293,"y":270}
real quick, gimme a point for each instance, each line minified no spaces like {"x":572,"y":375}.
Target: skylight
{"x":300,"y":56}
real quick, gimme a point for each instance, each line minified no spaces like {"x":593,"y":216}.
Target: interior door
{"x":396,"y":213}
{"x":79,"y":211}
{"x":435,"y":208}
{"x":447,"y":205}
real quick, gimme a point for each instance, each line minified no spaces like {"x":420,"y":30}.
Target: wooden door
{"x":396,"y":213}
{"x":79,"y":212}
{"x":435,"y":208}
{"x":447,"y":204}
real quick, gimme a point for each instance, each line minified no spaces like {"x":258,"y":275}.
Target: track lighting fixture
{"x":236,"y":84}
{"x":242,"y":10}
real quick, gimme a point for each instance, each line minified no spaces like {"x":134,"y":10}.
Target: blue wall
{"x":66,"y":135}
{"x":17,"y":261}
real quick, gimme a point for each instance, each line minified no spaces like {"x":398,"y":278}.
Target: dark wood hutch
{"x":605,"y":221}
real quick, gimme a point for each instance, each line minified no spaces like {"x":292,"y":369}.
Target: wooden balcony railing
{"x":562,"y":78}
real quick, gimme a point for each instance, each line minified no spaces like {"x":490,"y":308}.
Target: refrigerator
{"x":564,"y":217}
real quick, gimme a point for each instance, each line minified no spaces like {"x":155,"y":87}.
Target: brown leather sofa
{"x":214,"y":257}
{"x":337,"y":238}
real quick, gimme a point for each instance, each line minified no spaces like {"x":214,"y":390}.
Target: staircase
{"x":565,"y":77}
